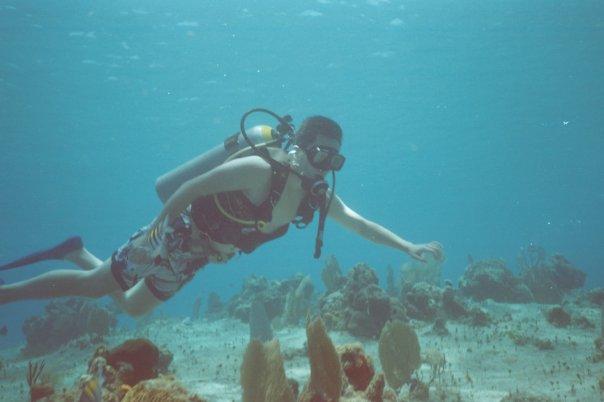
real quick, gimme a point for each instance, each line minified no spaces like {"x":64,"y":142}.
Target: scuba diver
{"x":229,"y":200}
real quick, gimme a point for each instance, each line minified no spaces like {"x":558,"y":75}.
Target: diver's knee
{"x":91,"y":284}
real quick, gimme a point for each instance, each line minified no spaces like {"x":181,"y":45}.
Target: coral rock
{"x":163,"y":389}
{"x":490,"y":279}
{"x":140,"y":355}
{"x":272,"y":294}
{"x":375,"y":390}
{"x":549,"y":279}
{"x":357,"y":366}
{"x":64,"y":321}
{"x":558,"y":317}
{"x":422,"y":301}
{"x":360,"y":306}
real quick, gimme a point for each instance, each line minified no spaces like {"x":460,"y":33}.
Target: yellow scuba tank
{"x":232,"y":147}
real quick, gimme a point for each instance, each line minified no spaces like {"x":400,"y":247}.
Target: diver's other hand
{"x":417,"y":251}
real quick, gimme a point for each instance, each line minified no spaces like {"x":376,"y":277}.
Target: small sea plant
{"x":37,"y":390}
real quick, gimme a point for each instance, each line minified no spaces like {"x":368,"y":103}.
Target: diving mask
{"x":324,"y":158}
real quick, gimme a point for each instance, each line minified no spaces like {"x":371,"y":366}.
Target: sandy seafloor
{"x":483,"y":363}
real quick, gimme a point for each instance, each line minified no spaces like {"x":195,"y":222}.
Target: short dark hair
{"x":313,"y":126}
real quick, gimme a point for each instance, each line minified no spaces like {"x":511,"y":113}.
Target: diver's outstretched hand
{"x":418,"y":251}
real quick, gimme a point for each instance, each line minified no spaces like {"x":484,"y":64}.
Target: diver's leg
{"x":83,"y":259}
{"x":132,"y":302}
{"x":139,"y":300}
{"x":58,"y":283}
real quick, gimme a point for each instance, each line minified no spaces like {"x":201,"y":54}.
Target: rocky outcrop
{"x":272,"y":294}
{"x":360,"y":306}
{"x":63,"y":321}
{"x":491,"y":279}
{"x":551,"y":279}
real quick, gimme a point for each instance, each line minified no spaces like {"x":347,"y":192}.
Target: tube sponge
{"x":399,"y":353}
{"x":262,"y":374}
{"x":325,"y":368}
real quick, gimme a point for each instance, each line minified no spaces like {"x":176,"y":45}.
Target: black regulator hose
{"x":284,"y":128}
{"x":322,"y":216}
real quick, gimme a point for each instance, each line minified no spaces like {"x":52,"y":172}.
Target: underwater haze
{"x":477,"y":124}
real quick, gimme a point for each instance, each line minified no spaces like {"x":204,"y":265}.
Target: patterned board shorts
{"x":166,"y":262}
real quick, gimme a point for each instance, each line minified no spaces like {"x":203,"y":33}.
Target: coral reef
{"x":596,"y":296}
{"x":598,"y":355}
{"x":360,"y":306}
{"x":331,"y":275}
{"x":64,"y":321}
{"x":422,"y":301}
{"x":325,"y":368}
{"x":126,"y":373}
{"x":549,"y":279}
{"x":343,"y":374}
{"x":262,"y":375}
{"x":478,"y":317}
{"x":415,"y":272}
{"x":297,"y":302}
{"x":391,"y":288}
{"x":558,"y":317}
{"x":440,"y":327}
{"x":491,"y":279}
{"x":399,"y":353}
{"x":260,"y":326}
{"x":37,"y":389}
{"x":162,"y":389}
{"x":137,"y":360}
{"x":271,"y":293}
{"x":451,"y":305}
{"x":357,"y":366}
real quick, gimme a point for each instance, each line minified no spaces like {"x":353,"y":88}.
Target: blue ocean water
{"x":475,"y":123}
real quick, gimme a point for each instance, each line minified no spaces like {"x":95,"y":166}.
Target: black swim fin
{"x":54,"y":253}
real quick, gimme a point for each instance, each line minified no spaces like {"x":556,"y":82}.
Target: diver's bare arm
{"x":238,"y":174}
{"x":351,"y":220}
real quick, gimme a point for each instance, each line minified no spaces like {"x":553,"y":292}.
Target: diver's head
{"x":317,"y":145}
